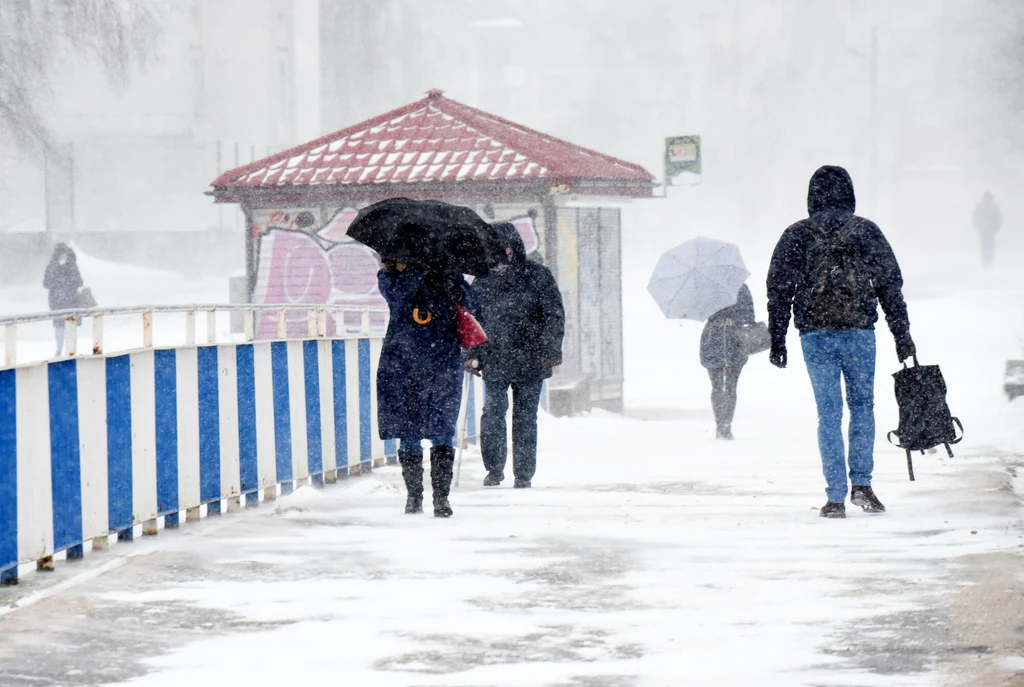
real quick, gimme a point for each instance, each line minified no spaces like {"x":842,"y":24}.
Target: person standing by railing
{"x":419,"y":380}
{"x":62,"y":280}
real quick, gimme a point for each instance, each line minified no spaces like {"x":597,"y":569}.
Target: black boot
{"x":412,"y":473}
{"x":442,"y":465}
{"x":833,"y":509}
{"x":864,"y":497}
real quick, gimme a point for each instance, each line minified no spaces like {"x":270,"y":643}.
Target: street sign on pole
{"x":682,"y":160}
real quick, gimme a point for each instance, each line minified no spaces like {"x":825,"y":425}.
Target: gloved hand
{"x":778,"y":356}
{"x":475,"y":366}
{"x":905,"y":348}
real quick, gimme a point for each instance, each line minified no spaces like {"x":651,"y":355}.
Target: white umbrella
{"x":698,"y":278}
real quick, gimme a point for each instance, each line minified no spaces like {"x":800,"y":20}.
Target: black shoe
{"x":866,"y":499}
{"x":833,"y":510}
{"x":442,"y":466}
{"x":493,"y":479}
{"x":412,"y":473}
{"x":522,"y":483}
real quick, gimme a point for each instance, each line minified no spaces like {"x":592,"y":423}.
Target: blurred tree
{"x":37,"y":36}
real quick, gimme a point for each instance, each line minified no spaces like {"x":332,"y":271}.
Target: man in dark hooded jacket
{"x":831,"y":271}
{"x":521,"y":311}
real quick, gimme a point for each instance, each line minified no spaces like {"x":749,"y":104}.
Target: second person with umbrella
{"x":723,"y":355}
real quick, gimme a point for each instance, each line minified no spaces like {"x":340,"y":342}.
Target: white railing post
{"x":321,"y":322}
{"x":147,"y":329}
{"x":97,"y":334}
{"x":71,"y":335}
{"x":211,"y":326}
{"x":312,"y":321}
{"x":282,"y":324}
{"x":250,"y":325}
{"x":190,"y":328}
{"x":366,"y":323}
{"x":11,"y":345}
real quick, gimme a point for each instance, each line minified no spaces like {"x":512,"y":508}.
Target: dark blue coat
{"x":719,"y":342}
{"x":419,"y":379}
{"x":521,"y":311}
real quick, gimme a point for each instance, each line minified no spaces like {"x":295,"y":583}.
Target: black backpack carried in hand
{"x":925,"y":420}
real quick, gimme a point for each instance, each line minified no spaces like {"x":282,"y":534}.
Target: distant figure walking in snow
{"x":62,"y":280}
{"x":722,"y":354}
{"x":521,"y":311}
{"x":987,"y":220}
{"x":831,"y":271}
{"x":419,"y":379}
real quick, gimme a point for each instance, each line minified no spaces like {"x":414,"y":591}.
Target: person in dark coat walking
{"x":62,"y":281}
{"x":722,"y":355}
{"x":987,"y":220}
{"x":831,"y":271}
{"x":419,"y":378}
{"x":521,"y":311}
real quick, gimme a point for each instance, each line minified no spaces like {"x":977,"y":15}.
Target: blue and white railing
{"x":96,"y":445}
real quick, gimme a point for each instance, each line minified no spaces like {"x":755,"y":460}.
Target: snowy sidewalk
{"x":653,"y":556}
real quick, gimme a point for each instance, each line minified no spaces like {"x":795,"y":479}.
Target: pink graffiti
{"x":295,"y":269}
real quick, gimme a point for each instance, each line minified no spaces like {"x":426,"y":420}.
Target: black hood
{"x":510,"y":238}
{"x":831,"y":188}
{"x":61,"y":250}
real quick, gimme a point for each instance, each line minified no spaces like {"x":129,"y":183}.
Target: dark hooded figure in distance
{"x":987,"y":220}
{"x":831,"y":271}
{"x":721,"y":354}
{"x":521,"y":311}
{"x":62,"y":281}
{"x":419,"y":379}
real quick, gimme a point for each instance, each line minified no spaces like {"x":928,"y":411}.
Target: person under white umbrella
{"x":703,"y":280}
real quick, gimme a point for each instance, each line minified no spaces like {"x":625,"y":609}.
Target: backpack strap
{"x":894,"y":443}
{"x":910,"y":466}
{"x":961,"y":437}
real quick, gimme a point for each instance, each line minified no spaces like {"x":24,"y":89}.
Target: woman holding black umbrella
{"x":419,"y":380}
{"x":426,"y":247}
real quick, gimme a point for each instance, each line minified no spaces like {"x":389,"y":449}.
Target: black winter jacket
{"x":62,"y":278}
{"x":831,"y":204}
{"x":521,"y":311}
{"x":719,"y":343}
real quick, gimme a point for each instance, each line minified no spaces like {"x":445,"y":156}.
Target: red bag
{"x":471,"y":334}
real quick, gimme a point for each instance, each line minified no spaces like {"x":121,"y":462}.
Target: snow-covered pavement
{"x":646,"y":554}
{"x":661,"y":559}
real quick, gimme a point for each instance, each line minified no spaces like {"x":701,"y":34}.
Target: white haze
{"x":774,"y":88}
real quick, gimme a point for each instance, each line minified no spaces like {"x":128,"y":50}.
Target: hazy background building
{"x":917,"y":98}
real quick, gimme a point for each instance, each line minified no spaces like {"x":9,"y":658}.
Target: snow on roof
{"x":443,"y":141}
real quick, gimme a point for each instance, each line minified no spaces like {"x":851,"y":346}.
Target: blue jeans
{"x":849,"y":354}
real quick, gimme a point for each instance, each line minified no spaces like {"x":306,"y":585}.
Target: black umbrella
{"x":426,"y":233}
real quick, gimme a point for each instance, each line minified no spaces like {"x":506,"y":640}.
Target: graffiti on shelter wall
{"x":304,"y":261}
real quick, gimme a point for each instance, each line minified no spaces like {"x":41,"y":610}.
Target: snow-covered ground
{"x":646,"y":554}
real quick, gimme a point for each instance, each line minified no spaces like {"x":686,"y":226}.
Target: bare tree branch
{"x":36,"y":36}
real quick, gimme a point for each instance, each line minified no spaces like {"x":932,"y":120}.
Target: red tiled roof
{"x":434,"y":140}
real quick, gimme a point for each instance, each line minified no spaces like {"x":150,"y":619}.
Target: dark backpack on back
{"x":837,"y":277}
{"x":925,"y":420}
